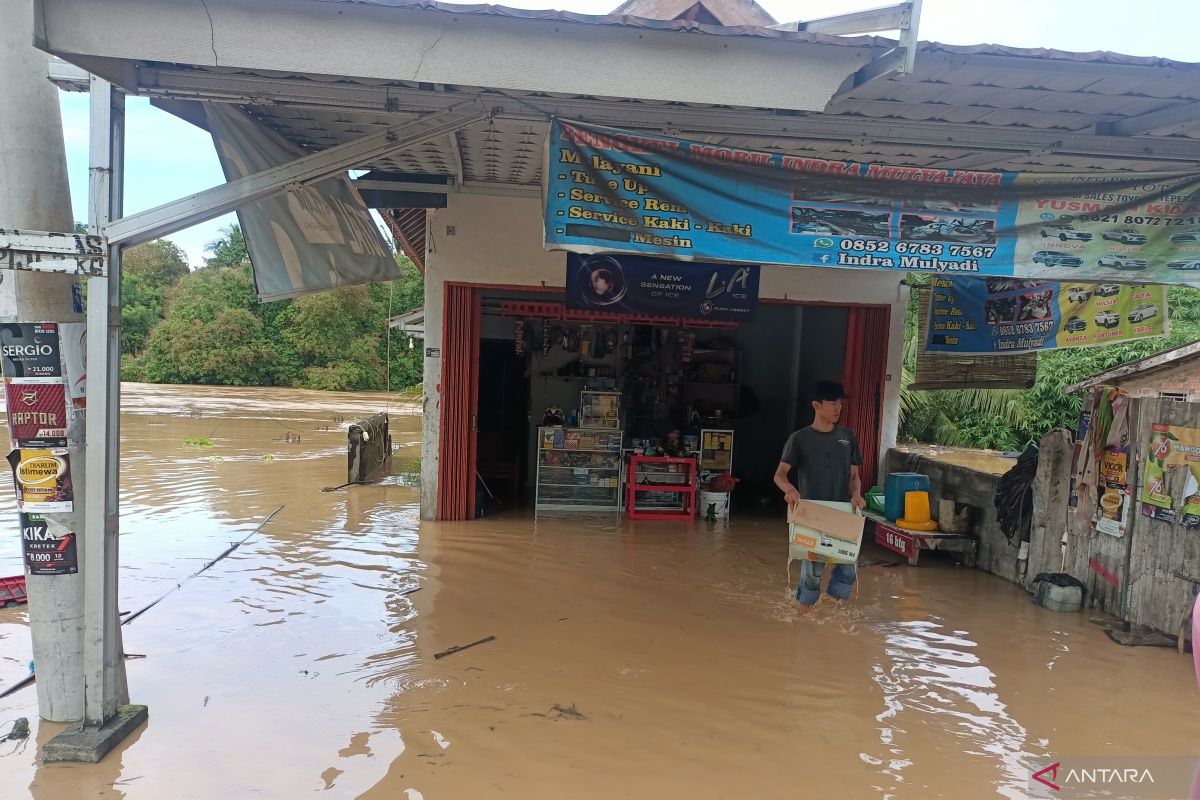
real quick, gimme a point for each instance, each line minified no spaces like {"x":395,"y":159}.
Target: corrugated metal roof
{"x":571,"y":17}
{"x":1143,"y":366}
{"x":1044,"y":53}
{"x":983,"y":106}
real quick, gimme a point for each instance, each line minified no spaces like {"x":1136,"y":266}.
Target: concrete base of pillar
{"x":89,"y":745}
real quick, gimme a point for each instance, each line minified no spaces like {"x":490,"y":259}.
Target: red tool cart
{"x":12,"y":591}
{"x":659,"y":487}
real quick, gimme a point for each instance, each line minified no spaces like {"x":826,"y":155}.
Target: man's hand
{"x":858,"y":502}
{"x":792,"y":496}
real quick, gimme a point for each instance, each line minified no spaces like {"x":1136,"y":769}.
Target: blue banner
{"x":611,"y":190}
{"x":1002,"y":316}
{"x":661,"y":287}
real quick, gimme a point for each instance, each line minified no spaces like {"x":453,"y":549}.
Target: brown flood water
{"x":655,"y":660}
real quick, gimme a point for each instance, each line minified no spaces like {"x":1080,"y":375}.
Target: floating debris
{"x":459,"y":648}
{"x":570,"y":712}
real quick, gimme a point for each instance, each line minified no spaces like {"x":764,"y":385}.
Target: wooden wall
{"x":1156,"y":564}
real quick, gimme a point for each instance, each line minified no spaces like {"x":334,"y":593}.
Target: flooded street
{"x":649,"y":660}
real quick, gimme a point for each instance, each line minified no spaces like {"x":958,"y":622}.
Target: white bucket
{"x":718,"y":499}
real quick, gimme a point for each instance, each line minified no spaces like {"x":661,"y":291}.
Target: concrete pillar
{"x":431,"y":418}
{"x":891,"y":390}
{"x":34,"y":194}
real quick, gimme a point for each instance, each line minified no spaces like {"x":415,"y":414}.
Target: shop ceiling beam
{"x":434,"y":46}
{"x":470,"y":187}
{"x":760,"y":123}
{"x":1164,"y":121}
{"x":211,"y":203}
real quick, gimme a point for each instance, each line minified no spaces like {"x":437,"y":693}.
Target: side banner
{"x":613,"y":190}
{"x":1004,"y":316}
{"x":661,"y":287}
{"x":309,"y":239}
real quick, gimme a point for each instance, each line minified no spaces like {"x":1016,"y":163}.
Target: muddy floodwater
{"x":656,"y":660}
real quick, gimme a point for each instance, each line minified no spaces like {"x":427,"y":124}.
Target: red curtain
{"x":863,"y":376}
{"x":460,"y":392}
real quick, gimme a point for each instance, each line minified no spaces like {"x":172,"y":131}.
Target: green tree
{"x":216,"y":331}
{"x":147,"y":272}
{"x":228,"y":249}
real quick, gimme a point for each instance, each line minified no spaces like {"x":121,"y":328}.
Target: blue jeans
{"x":840,"y":581}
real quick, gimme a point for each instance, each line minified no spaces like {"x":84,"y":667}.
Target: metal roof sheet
{"x":625,"y":20}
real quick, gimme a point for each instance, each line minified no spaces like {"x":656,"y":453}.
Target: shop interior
{"x":726,"y":394}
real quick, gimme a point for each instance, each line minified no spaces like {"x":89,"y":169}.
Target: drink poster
{"x":1172,"y":448}
{"x":1114,"y":495}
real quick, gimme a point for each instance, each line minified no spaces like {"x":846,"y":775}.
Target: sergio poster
{"x":611,"y":190}
{"x":1172,"y":448}
{"x":1002,"y":316}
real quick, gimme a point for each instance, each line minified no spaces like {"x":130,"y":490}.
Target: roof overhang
{"x":411,"y":323}
{"x":328,"y":73}
{"x":430,"y":44}
{"x":1140,"y":368}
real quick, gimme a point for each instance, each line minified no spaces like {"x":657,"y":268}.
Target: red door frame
{"x":864,"y":374}
{"x":460,"y":402}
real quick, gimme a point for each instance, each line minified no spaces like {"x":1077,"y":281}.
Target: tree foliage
{"x":208,"y":326}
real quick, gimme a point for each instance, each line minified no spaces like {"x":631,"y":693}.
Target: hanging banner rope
{"x":609,"y":190}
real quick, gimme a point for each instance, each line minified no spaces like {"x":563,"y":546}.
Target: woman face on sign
{"x":601,"y":282}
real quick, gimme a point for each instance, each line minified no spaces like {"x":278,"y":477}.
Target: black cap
{"x":828,"y":391}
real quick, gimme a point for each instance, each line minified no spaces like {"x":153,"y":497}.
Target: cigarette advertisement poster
{"x":49,"y":549}
{"x":1172,"y":448}
{"x":994,"y":316}
{"x":37,"y":411}
{"x":660,"y":287}
{"x":43,"y":480}
{"x":611,"y":190}
{"x":30,"y":350}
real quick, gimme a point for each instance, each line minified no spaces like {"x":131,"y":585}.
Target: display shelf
{"x":556,"y":487}
{"x":653,"y":467}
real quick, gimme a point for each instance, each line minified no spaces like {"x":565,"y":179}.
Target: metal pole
{"x":104,"y":668}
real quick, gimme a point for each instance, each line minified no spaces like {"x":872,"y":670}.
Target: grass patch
{"x":202,"y":441}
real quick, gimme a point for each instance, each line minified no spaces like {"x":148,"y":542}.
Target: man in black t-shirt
{"x":826,"y":458}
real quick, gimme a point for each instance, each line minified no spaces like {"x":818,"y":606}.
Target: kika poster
{"x":1173,"y":455}
{"x":636,"y":285}
{"x":49,"y":549}
{"x":613,"y":190}
{"x":1001,"y":316}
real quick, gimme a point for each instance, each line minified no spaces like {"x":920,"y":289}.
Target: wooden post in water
{"x":369,"y":447}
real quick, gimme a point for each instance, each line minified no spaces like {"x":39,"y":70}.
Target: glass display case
{"x":579,"y":469}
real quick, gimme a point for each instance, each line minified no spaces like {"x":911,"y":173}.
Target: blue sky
{"x":167,"y":158}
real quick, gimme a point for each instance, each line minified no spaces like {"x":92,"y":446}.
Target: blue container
{"x":893,"y":491}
